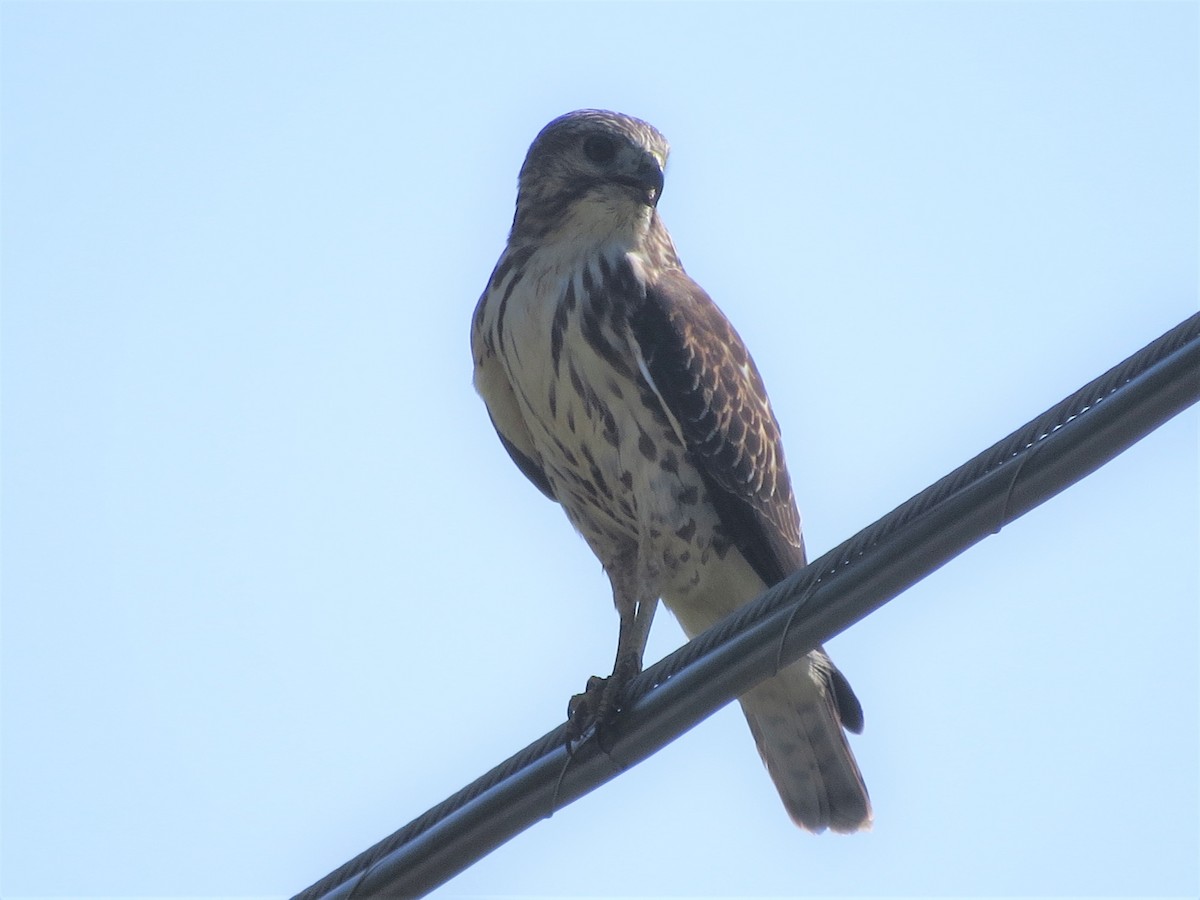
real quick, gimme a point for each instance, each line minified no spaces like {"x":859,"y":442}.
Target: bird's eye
{"x":599,"y":149}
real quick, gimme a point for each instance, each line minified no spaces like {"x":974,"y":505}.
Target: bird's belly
{"x":616,"y":464}
{"x":643,"y":507}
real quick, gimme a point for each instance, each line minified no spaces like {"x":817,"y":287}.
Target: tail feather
{"x":797,"y":719}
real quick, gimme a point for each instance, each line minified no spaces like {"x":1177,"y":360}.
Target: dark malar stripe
{"x":537,"y":217}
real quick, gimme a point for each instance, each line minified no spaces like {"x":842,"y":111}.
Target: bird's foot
{"x":583,"y":710}
{"x":599,"y":702}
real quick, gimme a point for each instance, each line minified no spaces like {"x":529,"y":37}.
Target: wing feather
{"x":713,"y":392}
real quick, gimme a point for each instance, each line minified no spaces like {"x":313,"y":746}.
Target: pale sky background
{"x":271,"y":587}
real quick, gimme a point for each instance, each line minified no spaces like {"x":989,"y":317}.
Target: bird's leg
{"x":631,"y":646}
{"x":596,"y":705}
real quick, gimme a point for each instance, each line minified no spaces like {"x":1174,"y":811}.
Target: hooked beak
{"x":647,"y":181}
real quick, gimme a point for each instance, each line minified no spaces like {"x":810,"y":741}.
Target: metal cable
{"x":1059,"y":447}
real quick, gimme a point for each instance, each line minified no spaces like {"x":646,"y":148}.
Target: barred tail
{"x":797,"y":719}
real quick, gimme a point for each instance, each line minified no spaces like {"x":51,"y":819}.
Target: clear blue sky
{"x":271,"y":587}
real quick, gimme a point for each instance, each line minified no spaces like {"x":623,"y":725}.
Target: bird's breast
{"x":605,"y":442}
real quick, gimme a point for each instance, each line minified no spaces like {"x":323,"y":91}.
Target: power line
{"x":1048,"y":454}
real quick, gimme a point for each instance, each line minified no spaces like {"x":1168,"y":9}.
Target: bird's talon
{"x":589,"y":709}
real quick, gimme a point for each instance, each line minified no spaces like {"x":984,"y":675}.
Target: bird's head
{"x":591,"y":173}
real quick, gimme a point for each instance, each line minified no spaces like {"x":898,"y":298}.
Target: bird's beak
{"x":647,"y":180}
{"x":650,"y":179}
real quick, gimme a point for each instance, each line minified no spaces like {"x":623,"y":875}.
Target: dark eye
{"x":600,"y":149}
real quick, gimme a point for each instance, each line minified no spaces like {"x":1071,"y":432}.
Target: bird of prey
{"x":624,"y":394}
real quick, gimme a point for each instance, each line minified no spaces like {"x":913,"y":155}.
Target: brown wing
{"x":710,"y":385}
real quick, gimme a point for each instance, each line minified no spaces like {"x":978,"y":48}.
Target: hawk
{"x":624,"y":394}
